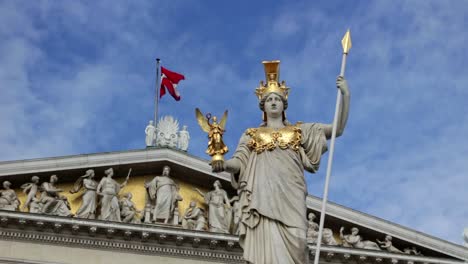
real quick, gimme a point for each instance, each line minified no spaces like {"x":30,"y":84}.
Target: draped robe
{"x":273,"y":190}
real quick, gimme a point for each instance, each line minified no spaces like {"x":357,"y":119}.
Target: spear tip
{"x":346,"y":42}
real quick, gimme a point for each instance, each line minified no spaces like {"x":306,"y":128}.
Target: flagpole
{"x":346,"y":43}
{"x":158,"y":79}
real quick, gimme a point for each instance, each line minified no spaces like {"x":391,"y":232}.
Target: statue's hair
{"x":35,"y":178}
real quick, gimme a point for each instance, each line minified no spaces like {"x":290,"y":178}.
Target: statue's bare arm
{"x":342,"y":85}
{"x":99,"y":187}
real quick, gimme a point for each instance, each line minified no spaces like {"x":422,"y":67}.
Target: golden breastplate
{"x":265,"y":138}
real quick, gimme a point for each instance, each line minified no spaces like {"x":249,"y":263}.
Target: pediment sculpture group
{"x":103,"y":200}
{"x":353,"y":239}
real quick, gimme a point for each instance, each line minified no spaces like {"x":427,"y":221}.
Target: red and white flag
{"x":169,"y":81}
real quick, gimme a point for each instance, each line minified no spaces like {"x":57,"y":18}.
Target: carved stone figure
{"x":328,"y":238}
{"x":8,"y":199}
{"x":184,"y":138}
{"x":354,"y":240}
{"x":219,"y":208}
{"x":150,"y":132}
{"x":128,"y":210}
{"x":51,"y":201}
{"x":313,"y":232}
{"x":166,"y":130}
{"x":109,"y":189}
{"x":312,"y":229}
{"x":30,"y":189}
{"x":89,"y":197}
{"x":387,"y":245}
{"x":412,"y":251}
{"x":236,"y":215}
{"x":194,"y":218}
{"x":268,"y":169}
{"x":164,"y":191}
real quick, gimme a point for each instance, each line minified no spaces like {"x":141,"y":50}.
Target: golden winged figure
{"x":216,"y":147}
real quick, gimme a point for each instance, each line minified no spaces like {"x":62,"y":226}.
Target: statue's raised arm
{"x":342,"y":85}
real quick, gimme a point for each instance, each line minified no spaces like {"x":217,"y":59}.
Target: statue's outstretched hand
{"x":217,"y":166}
{"x":342,"y":84}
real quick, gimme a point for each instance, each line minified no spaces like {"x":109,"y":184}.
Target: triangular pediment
{"x":196,"y":172}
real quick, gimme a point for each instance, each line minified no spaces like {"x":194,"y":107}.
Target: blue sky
{"x":77,"y":78}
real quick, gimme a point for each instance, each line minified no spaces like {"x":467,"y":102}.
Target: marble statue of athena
{"x":268,"y":170}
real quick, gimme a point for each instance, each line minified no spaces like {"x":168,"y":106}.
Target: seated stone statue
{"x":8,"y":199}
{"x":194,"y":218}
{"x":355,"y":241}
{"x":52,"y":202}
{"x":313,"y":232}
{"x":388,"y":245}
{"x":128,"y":210}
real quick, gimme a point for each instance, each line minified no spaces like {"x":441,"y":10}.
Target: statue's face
{"x":167,"y":129}
{"x":274,"y":105}
{"x":6,"y":185}
{"x":217,"y":184}
{"x":166,"y":171}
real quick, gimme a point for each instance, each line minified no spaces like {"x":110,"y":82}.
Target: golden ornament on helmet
{"x":272,"y":84}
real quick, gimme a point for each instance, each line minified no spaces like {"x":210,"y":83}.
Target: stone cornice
{"x":164,"y":240}
{"x":108,"y":159}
